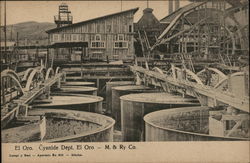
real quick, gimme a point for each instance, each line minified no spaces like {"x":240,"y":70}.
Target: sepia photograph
{"x":81,"y":79}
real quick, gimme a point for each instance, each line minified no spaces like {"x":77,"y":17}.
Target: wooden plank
{"x":235,"y":117}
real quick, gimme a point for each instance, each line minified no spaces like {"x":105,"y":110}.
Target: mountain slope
{"x":32,"y":31}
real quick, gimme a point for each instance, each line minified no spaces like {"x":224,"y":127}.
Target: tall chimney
{"x":170,"y":6}
{"x":177,"y":4}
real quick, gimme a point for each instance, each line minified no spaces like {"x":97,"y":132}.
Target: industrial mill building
{"x":108,"y":37}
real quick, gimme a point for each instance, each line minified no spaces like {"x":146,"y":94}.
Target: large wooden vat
{"x":135,"y":106}
{"x":109,"y":86}
{"x":119,"y":91}
{"x":181,"y":124}
{"x":63,"y":126}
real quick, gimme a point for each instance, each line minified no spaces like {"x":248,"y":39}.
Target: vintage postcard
{"x":125,"y":81}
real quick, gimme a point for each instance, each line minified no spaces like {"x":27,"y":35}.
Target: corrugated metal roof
{"x":90,"y":20}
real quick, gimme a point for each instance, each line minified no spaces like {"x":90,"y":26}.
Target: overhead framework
{"x":189,"y":83}
{"x":17,"y":91}
{"x":206,"y":30}
{"x":64,"y":16}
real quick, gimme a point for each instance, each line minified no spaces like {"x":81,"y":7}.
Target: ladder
{"x":191,"y":64}
{"x":143,"y":38}
{"x":188,"y":60}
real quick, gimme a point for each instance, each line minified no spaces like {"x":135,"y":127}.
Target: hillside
{"x":32,"y":31}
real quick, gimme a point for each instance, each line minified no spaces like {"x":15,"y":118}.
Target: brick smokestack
{"x":177,"y":4}
{"x":170,"y":6}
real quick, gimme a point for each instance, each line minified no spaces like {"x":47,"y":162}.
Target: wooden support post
{"x":59,"y":83}
{"x":98,"y":107}
{"x":173,"y":71}
{"x":146,"y":63}
{"x":97,"y":83}
{"x":83,"y":51}
{"x":246,"y":82}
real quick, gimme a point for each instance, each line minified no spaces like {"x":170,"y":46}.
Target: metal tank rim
{"x":119,"y":82}
{"x":92,"y":99}
{"x":151,"y":115}
{"x":130,"y":87}
{"x":109,"y":123}
{"x":152,"y":98}
{"x":76,"y":88}
{"x":76,"y":83}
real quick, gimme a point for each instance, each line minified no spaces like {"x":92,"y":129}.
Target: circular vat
{"x":135,"y":106}
{"x":62,"y":126}
{"x":181,"y":124}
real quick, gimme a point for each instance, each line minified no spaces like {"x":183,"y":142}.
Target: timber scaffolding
{"x":37,"y":82}
{"x":207,"y":95}
{"x":230,"y":93}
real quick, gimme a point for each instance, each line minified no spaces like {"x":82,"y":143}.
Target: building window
{"x":56,"y":37}
{"x":120,"y":37}
{"x":130,"y":28}
{"x":98,"y":44}
{"x":68,"y":37}
{"x":74,"y":37}
{"x":121,"y":44}
{"x":81,"y":37}
{"x":97,"y":37}
{"x":62,"y":37}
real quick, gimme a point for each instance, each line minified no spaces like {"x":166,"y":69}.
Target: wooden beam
{"x":208,"y":91}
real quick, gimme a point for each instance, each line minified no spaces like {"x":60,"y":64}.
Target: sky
{"x":44,"y":11}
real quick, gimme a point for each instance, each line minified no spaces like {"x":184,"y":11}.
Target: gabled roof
{"x":134,"y":10}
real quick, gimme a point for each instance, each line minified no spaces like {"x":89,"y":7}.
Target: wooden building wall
{"x":108,"y":29}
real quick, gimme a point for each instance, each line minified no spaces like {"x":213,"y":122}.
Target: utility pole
{"x":17,"y":39}
{"x":11,"y":33}
{"x":5,"y":36}
{"x":17,"y":50}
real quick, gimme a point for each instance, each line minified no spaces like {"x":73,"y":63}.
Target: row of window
{"x":77,"y":37}
{"x":101,"y":28}
{"x":117,"y":44}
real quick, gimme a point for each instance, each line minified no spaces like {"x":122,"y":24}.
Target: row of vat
{"x":75,"y":113}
